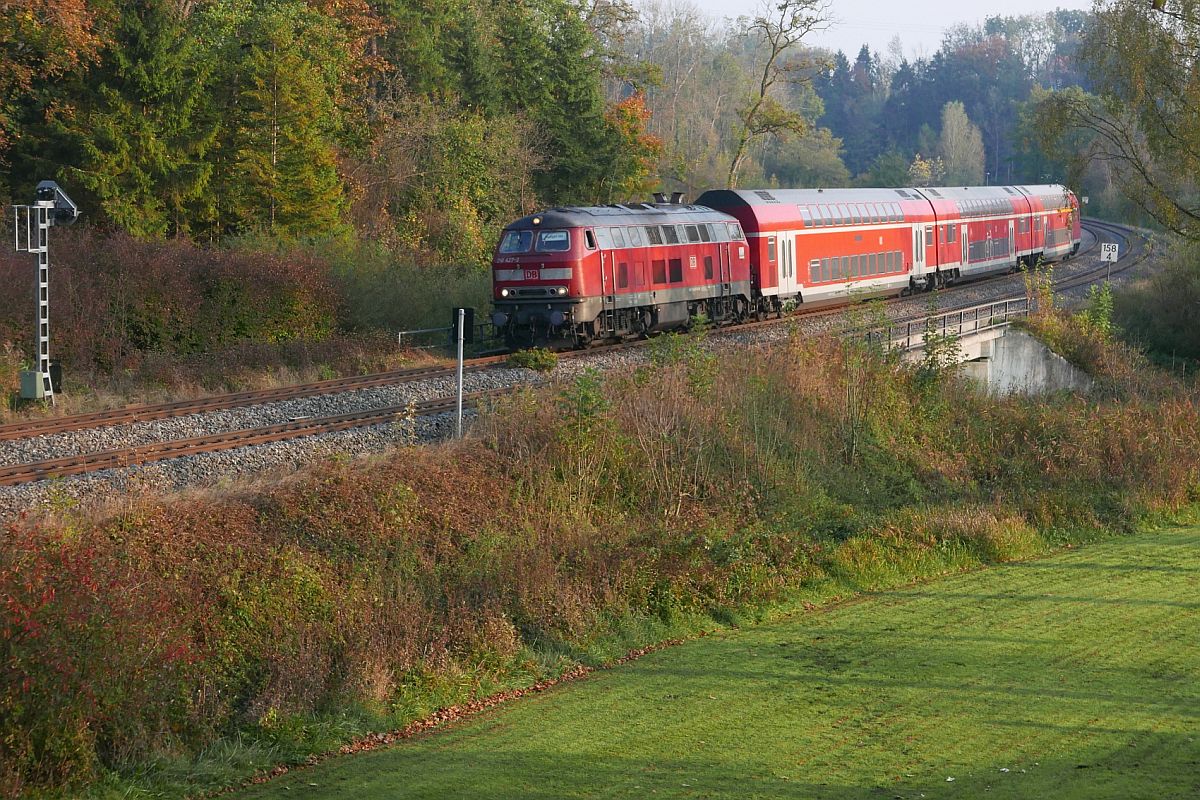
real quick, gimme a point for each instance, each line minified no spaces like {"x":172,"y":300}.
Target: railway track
{"x":158,"y":451}
{"x":142,"y":413}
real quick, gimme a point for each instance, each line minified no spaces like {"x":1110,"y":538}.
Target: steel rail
{"x":161,"y":451}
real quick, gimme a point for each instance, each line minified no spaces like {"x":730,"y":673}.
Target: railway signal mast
{"x":31,"y":234}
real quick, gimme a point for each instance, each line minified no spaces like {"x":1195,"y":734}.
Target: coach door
{"x":918,"y":250}
{"x":962,"y":235}
{"x":787,"y":263}
{"x":1012,"y":241}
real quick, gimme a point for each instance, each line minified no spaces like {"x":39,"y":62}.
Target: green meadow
{"x":1075,"y":676}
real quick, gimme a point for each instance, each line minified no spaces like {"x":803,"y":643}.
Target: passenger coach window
{"x":814,"y":270}
{"x":929,"y":236}
{"x":516,"y":242}
{"x":770,"y":248}
{"x":554,"y":241}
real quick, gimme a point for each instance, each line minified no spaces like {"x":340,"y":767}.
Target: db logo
{"x":532,"y":275}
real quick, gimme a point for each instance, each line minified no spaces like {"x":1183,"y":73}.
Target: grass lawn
{"x":1076,"y":676}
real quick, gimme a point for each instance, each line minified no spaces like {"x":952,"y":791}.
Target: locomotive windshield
{"x":516,"y":242}
{"x":554,"y":241}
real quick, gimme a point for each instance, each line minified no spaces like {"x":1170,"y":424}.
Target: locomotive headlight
{"x":504,"y":292}
{"x":562,"y":290}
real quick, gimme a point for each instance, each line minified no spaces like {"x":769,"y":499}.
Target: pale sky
{"x":918,"y":23}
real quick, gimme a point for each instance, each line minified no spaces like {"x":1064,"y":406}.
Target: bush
{"x":115,"y":298}
{"x":658,"y":501}
{"x":537,"y":359}
{"x":1162,"y":313}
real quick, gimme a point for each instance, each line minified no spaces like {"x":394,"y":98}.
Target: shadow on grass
{"x":1154,"y":766}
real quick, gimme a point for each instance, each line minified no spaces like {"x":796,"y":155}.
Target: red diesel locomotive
{"x":575,"y":275}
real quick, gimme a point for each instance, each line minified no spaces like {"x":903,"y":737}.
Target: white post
{"x":462,"y":314}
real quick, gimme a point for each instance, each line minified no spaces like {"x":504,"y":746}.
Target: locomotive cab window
{"x":554,"y":241}
{"x":516,"y":242}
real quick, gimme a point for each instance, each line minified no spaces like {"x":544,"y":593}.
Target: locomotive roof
{"x":619,"y":214}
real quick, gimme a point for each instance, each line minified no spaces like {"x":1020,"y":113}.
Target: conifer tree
{"x":144,"y":125}
{"x":280,"y":145}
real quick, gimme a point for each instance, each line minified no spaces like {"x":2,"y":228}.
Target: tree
{"x":960,"y":147}
{"x":281,"y":146}
{"x":808,"y":161}
{"x":890,"y":169}
{"x":1144,"y":118}
{"x":143,"y":127}
{"x":44,"y":39}
{"x":781,"y":26}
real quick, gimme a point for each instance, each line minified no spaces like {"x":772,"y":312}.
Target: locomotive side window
{"x":618,"y":237}
{"x":554,"y":241}
{"x":735,"y":232}
{"x":676,"y":270}
{"x":589,"y":239}
{"x":653,"y":234}
{"x":635,"y":236}
{"x":516,"y":242}
{"x":660,"y":270}
{"x":623,"y":276}
{"x":770,"y":248}
{"x":708,"y":268}
{"x":603,"y":238}
{"x":693,"y":235}
{"x":670,"y":234}
{"x":705,"y":235}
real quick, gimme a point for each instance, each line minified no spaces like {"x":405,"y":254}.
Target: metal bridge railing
{"x":962,"y":322}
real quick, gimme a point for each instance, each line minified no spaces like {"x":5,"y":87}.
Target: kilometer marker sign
{"x":1108,"y":252}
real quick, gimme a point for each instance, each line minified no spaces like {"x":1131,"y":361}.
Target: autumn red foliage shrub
{"x":114,"y":298}
{"x":698,"y":487}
